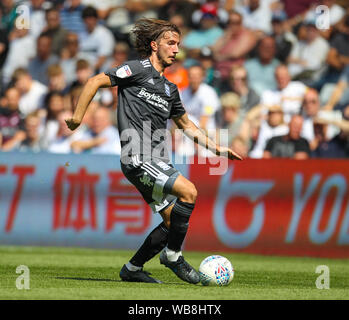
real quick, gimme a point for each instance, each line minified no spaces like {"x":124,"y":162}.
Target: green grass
{"x":71,"y":273}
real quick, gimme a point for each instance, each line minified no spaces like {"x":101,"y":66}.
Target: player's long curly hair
{"x":148,"y":30}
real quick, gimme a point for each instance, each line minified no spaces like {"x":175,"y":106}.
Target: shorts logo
{"x":124,"y":72}
{"x":167,"y":90}
{"x":164,"y":166}
{"x":146,"y":180}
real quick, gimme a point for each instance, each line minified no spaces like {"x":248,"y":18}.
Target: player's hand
{"x":227,"y":152}
{"x":72,"y":123}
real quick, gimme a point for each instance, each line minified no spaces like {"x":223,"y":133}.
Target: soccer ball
{"x":216,"y":270}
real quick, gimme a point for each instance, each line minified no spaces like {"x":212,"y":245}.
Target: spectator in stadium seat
{"x":307,"y":59}
{"x":230,"y":117}
{"x":83,"y":73}
{"x":54,"y":105}
{"x":261,"y":70}
{"x":256,"y":16}
{"x":120,"y":55}
{"x":340,"y":95}
{"x":200,"y":100}
{"x":309,"y":111}
{"x":56,"y":79}
{"x":238,"y":83}
{"x":102,"y":137}
{"x":8,"y":15}
{"x":291,"y":145}
{"x":70,"y":55}
{"x":4,"y":47}
{"x":44,"y":58}
{"x":33,"y":139}
{"x":99,"y":42}
{"x":54,"y":30}
{"x":232,"y":48}
{"x":289,"y":94}
{"x":201,"y":103}
{"x":284,"y":38}
{"x":71,"y":18}
{"x":338,"y":55}
{"x":37,"y":16}
{"x":11,"y":124}
{"x":207,"y":33}
{"x":64,"y":138}
{"x":32,"y":92}
{"x":337,"y":147}
{"x":206,"y":60}
{"x":272,"y":126}
{"x":21,"y":50}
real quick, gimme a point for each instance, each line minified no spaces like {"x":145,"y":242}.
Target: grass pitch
{"x":71,"y":273}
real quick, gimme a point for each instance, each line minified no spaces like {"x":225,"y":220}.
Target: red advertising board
{"x":281,"y":207}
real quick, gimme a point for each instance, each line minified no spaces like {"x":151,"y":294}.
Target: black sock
{"x":151,"y":246}
{"x":180,"y":215}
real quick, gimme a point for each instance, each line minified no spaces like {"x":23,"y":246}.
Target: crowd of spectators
{"x":273,"y":73}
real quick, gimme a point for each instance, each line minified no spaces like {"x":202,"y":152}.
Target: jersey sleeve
{"x":128,"y":72}
{"x":177,"y":109}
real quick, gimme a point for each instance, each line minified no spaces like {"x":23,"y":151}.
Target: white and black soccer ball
{"x":216,"y":270}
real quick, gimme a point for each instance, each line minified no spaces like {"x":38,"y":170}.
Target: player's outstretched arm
{"x":88,"y":92}
{"x":201,"y":138}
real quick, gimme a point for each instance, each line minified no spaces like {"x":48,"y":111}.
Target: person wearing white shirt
{"x":62,"y":142}
{"x":99,"y":42}
{"x":201,"y":103}
{"x":307,"y":59}
{"x":273,"y":126}
{"x":32,"y":92}
{"x":102,"y":137}
{"x":256,"y":16}
{"x":21,"y":49}
{"x":289,"y":93}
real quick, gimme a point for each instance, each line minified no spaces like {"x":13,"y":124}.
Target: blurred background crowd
{"x":273,"y":73}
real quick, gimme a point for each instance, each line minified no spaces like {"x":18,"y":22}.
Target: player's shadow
{"x":111,"y":280}
{"x":87,"y":279}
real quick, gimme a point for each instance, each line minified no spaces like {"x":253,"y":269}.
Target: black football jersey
{"x":146,"y":100}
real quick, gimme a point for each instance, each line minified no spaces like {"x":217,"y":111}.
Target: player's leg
{"x":152,"y":245}
{"x":180,"y":214}
{"x":154,"y":242}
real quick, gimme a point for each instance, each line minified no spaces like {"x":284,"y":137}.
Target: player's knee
{"x":190,"y":194}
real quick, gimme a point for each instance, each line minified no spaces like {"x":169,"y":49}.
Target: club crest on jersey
{"x":167,"y":90}
{"x":124,"y":72}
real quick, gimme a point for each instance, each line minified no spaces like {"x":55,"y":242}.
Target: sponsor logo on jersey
{"x":146,"y":180}
{"x":124,"y":72}
{"x":153,"y":99}
{"x":167,"y":90}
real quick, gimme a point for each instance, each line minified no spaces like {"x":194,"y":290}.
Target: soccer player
{"x":146,"y":100}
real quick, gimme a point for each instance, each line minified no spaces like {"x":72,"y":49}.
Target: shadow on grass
{"x":87,"y":279}
{"x":114,"y":280}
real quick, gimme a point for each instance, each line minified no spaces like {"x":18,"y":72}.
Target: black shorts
{"x":154,"y":180}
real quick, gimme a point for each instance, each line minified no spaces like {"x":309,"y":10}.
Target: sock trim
{"x":132,"y":267}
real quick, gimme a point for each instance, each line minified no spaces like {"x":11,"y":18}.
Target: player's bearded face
{"x":168,"y":48}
